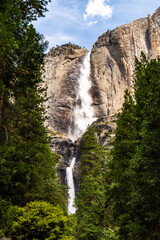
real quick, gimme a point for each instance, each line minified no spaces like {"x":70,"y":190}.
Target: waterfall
{"x":83,"y":114}
{"x":70,"y":183}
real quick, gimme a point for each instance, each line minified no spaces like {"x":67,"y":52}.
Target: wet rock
{"x":63,"y":146}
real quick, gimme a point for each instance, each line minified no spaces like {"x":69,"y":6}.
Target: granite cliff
{"x":112,"y":66}
{"x":62,"y":68}
{"x":112,"y":60}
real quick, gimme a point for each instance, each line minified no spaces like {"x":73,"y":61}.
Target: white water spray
{"x":70,"y":183}
{"x":83,"y":114}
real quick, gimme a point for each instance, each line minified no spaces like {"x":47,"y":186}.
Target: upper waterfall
{"x":83,"y":113}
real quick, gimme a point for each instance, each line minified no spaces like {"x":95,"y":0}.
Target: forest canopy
{"x":28,"y":178}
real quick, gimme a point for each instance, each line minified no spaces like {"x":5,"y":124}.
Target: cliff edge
{"x":113,"y":57}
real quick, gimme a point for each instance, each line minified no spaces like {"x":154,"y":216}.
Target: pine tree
{"x":91,"y":197}
{"x":146,"y":161}
{"x":15,"y":16}
{"x":120,"y":174}
{"x":27,"y":164}
{"x":134,"y":169}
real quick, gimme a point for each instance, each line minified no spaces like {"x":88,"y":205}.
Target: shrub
{"x":39,"y":221}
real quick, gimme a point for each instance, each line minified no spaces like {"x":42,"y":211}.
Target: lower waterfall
{"x":70,"y":183}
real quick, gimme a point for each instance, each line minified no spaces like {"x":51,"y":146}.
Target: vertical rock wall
{"x":113,"y":57}
{"x":62,"y":68}
{"x":112,"y":66}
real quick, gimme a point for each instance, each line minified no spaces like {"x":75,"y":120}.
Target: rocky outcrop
{"x":113,"y":58}
{"x":104,"y":129}
{"x":62,"y":68}
{"x":65,"y":148}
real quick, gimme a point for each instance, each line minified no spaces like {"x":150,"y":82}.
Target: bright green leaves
{"x":40,"y":220}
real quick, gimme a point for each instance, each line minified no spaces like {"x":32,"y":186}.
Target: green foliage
{"x":134,"y":168}
{"x":146,"y":159}
{"x":120,"y":174}
{"x":110,"y":234}
{"x":90,"y":155}
{"x":7,"y":215}
{"x":27,"y":165}
{"x":40,"y":220}
{"x":91,"y":199}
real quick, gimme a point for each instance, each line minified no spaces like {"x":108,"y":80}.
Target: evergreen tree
{"x":134,"y":169}
{"x":146,"y":161}
{"x":120,"y":174}
{"x":27,"y":165}
{"x":91,"y":197}
{"x":15,"y":16}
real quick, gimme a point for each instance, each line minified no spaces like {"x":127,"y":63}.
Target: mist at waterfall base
{"x":83,"y":113}
{"x":82,"y":116}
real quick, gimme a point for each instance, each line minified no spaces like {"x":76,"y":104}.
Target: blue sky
{"x":83,"y":21}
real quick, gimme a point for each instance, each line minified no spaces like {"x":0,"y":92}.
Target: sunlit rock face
{"x":111,"y":70}
{"x":62,"y":68}
{"x":113,"y":58}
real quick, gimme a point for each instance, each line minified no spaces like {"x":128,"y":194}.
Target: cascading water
{"x":83,"y":114}
{"x":71,"y":191}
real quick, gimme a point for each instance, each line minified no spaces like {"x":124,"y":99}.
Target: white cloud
{"x":92,"y":23}
{"x":98,"y":8}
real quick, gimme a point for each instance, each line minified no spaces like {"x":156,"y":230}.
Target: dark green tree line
{"x":91,"y":199}
{"x":25,"y":156}
{"x":146,"y":161}
{"x":135,"y":166}
{"x":120,"y":173}
{"x":27,"y":165}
